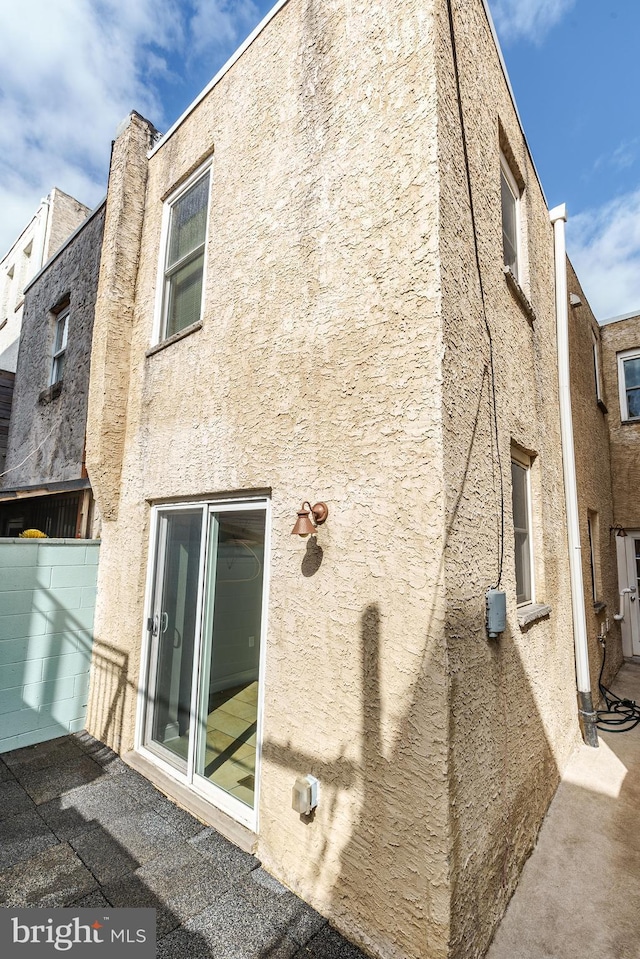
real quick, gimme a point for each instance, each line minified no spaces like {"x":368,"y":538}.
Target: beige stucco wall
{"x":316,"y":374}
{"x":624,"y":437}
{"x":344,"y":356}
{"x":512,"y":700}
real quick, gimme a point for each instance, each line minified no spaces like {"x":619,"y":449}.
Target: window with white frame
{"x":510,"y":199}
{"x":596,"y":366}
{"x":184,"y":249}
{"x":59,"y":346}
{"x":521,"y":503}
{"x":629,"y":384}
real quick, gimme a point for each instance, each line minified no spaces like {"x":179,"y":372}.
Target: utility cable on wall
{"x":29,"y":455}
{"x":481,"y":284}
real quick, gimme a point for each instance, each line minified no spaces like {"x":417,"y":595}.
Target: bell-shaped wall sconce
{"x":309,"y":518}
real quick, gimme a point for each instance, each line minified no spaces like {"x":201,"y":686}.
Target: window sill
{"x":519,"y":294}
{"x":532,"y":613}
{"x":51,"y":393}
{"x":180,"y":335}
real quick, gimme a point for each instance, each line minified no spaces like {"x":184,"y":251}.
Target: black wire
{"x":621,"y":715}
{"x":477,"y":258}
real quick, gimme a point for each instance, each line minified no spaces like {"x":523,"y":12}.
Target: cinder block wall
{"x":47,"y":600}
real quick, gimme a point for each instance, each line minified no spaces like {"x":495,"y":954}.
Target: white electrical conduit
{"x":583,"y":677}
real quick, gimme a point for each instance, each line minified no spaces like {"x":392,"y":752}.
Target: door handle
{"x":164,"y":623}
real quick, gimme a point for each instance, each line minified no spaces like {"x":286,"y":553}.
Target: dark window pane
{"x":188,"y":221}
{"x":509,"y":225}
{"x":185,"y":295}
{"x":520,"y":501}
{"x":633,"y":403}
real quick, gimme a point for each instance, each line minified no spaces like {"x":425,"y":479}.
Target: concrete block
{"x":62,"y":555}
{"x":93,"y":554}
{"x":16,"y":601}
{"x":18,"y":554}
{"x":19,"y":674}
{"x":73,"y":576}
{"x":62,"y":713}
{"x":23,"y":625}
{"x":25,"y":577}
{"x":38,"y":647}
{"x":71,"y":664}
{"x":39,"y":694}
{"x":62,"y":620}
{"x":88,"y":597}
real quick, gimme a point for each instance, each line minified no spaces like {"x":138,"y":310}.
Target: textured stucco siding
{"x":595,"y":488}
{"x":513,"y":718}
{"x":624,"y":436}
{"x":55,"y":428}
{"x":316,"y":374}
{"x":47,"y":599}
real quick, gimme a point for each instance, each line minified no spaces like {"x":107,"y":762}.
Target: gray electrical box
{"x":496,"y":612}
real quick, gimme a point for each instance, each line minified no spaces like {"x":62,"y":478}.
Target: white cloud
{"x":220,"y":22}
{"x":73,"y":69}
{"x":604,"y":246}
{"x":527,"y":19}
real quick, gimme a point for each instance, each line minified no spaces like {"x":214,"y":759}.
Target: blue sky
{"x":84,"y":64}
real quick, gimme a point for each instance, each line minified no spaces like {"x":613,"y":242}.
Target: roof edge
{"x":54,"y":256}
{"x":219,"y":75}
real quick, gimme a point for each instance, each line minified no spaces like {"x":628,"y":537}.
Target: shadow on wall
{"x":400,"y":823}
{"x":450,"y":807}
{"x":49,"y":679}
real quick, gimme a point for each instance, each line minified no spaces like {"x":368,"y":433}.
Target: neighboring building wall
{"x":617,"y":337}
{"x":513,"y":711}
{"x":51,"y":420}
{"x":47,"y":599}
{"x":591,"y":417}
{"x":623,"y":336}
{"x":6,"y":396}
{"x":67,"y":214}
{"x":56,"y":218}
{"x":316,"y":373}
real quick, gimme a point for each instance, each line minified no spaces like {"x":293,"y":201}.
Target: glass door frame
{"x":205,"y":790}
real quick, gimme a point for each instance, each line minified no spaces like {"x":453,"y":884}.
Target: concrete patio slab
{"x":80,"y":827}
{"x":13,"y":800}
{"x":55,"y":877}
{"x":578,"y":893}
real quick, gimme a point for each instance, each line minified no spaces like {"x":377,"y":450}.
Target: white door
{"x":628,"y":549}
{"x":207,"y":608}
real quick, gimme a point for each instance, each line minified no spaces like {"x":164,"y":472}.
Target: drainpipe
{"x":586,"y":712}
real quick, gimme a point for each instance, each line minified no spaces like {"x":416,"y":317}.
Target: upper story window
{"x":510,"y":199}
{"x":629,"y":384}
{"x":596,"y":366}
{"x":184,"y":248}
{"x":60,"y":346}
{"x":522,"y":526}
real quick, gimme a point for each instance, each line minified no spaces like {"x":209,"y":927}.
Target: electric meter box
{"x":496,"y":612}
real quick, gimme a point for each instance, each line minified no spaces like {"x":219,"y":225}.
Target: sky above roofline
{"x":83,"y":65}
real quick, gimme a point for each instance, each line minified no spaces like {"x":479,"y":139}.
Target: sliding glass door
{"x":206,"y":626}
